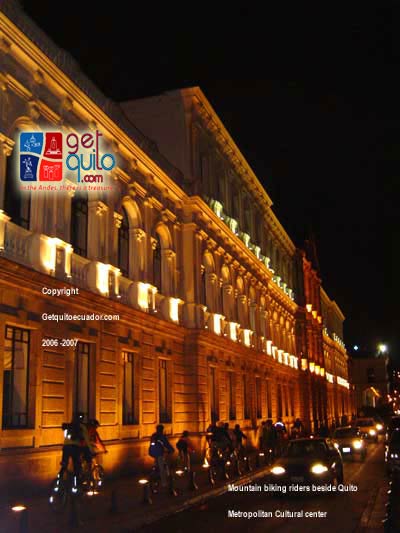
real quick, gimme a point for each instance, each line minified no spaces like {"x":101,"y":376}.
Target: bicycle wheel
{"x":58,"y":495}
{"x":98,"y":476}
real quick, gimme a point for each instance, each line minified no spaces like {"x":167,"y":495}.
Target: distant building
{"x":370,"y":378}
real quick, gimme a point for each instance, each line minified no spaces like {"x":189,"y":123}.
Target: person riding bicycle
{"x":97,"y":445}
{"x":185,"y":448}
{"x":239,"y":436}
{"x":269,"y":440}
{"x":76,"y":437}
{"x":159,"y":445}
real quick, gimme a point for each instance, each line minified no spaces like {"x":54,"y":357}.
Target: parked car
{"x":350,"y":442}
{"x":367,"y":428}
{"x":392,"y":452}
{"x":308,"y":461}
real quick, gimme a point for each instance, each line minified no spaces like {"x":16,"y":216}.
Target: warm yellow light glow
{"x":143,"y":295}
{"x":48,"y":253}
{"x":278,"y":470}
{"x":304,"y":364}
{"x":233,"y":331}
{"x":329,"y":377}
{"x":311,"y":366}
{"x":18,"y":508}
{"x":102,"y":271}
{"x":143,"y":481}
{"x":246,"y":337}
{"x":296,"y":362}
{"x":174,"y":309}
{"x":280,"y":356}
{"x":274,"y":351}
{"x":314,"y":313}
{"x":317,"y":369}
{"x":217,"y":323}
{"x":269,"y":347}
{"x":319,"y":469}
{"x":322,"y":371}
{"x":309,"y":308}
{"x":342,"y":382}
{"x":319,"y":318}
{"x":286,"y":358}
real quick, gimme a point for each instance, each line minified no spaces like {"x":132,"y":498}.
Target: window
{"x":286,"y":400}
{"x":230,"y":392}
{"x":371,"y":375}
{"x":79,"y":223}
{"x":157,"y":264}
{"x":279,"y":401}
{"x":123,"y":245}
{"x":17,"y":204}
{"x":258,"y":398}
{"x":214,"y":411}
{"x":129,"y":411}
{"x":269,"y":402}
{"x":16,"y":378}
{"x":163,"y":392}
{"x":246,"y":410}
{"x":82,"y":387}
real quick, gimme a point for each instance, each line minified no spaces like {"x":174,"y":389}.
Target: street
{"x":344,"y":511}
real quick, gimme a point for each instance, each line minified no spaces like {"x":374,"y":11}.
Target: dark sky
{"x":310,"y":96}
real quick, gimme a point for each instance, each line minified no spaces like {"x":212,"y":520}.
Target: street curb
{"x":201,"y":498}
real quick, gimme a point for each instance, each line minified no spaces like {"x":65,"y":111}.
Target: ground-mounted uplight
{"x":146,"y":490}
{"x":18,"y":508}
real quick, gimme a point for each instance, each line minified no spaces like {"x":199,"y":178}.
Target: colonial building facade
{"x":175,"y":297}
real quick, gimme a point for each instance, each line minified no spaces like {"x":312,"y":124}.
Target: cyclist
{"x":185,"y":448}
{"x":76,"y":437}
{"x":97,"y":445}
{"x":159,"y":445}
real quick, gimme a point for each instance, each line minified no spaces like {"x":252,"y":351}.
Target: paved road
{"x":346,"y":511}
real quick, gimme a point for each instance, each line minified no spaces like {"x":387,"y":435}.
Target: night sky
{"x":312,"y":99}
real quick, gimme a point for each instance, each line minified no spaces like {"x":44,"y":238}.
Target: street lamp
{"x":382,"y":348}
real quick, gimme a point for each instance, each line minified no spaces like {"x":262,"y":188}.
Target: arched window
{"x":79,"y":223}
{"x":123,"y":245}
{"x":17,"y":204}
{"x":157,"y":264}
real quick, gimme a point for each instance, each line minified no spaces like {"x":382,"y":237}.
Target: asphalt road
{"x":343,"y":511}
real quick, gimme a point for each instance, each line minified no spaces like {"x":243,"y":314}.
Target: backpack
{"x":156,"y":447}
{"x":73,"y":431}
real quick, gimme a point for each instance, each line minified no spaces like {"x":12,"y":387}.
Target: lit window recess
{"x":246,"y":337}
{"x":309,"y":308}
{"x":274,"y":352}
{"x":329,"y":377}
{"x":269,"y":347}
{"x":342,"y":382}
{"x":311,"y":366}
{"x":55,"y":255}
{"x":233,"y":327}
{"x":314,"y":313}
{"x":322,"y":371}
{"x":280,"y":356}
{"x":174,"y":309}
{"x":107,"y":279}
{"x":304,"y":364}
{"x":286,"y":358}
{"x":317,"y":369}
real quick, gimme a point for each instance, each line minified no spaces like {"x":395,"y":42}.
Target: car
{"x":367,"y":427}
{"x":349,"y":441}
{"x":308,"y":461}
{"x":392,"y":452}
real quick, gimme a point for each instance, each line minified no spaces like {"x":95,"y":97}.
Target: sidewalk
{"x":119,"y":507}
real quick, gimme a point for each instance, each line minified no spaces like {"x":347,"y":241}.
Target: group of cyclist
{"x":81,"y":442}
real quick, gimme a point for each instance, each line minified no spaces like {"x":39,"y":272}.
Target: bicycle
{"x":92,"y":478}
{"x":155,"y":476}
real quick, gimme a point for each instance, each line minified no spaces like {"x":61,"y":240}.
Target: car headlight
{"x":394,"y":455}
{"x":357,"y":444}
{"x":336,"y":445}
{"x":319,"y":469}
{"x":372,"y":432}
{"x":278,"y":470}
{"x":379,"y":427}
